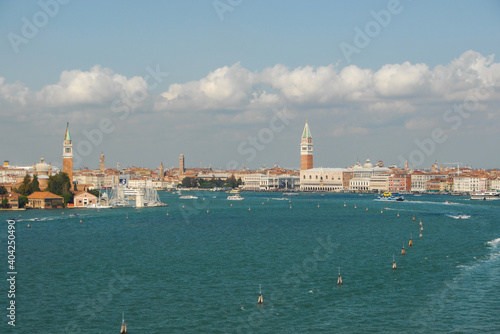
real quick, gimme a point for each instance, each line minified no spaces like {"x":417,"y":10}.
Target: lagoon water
{"x":199,"y":272}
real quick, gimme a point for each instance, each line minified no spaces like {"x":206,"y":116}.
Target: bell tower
{"x":68,"y":155}
{"x":306,"y":149}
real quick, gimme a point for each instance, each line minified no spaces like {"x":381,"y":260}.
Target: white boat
{"x":290,"y":194}
{"x":235,"y":197}
{"x":188,"y":197}
{"x":280,"y":199}
{"x":99,"y":206}
{"x":485,"y":195}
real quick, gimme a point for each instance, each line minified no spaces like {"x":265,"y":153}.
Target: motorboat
{"x":390,"y":197}
{"x":235,"y":197}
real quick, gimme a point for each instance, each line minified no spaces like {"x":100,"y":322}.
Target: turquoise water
{"x":199,"y":272}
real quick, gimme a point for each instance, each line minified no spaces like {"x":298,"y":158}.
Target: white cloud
{"x":99,"y":86}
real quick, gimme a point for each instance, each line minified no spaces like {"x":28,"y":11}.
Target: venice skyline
{"x":221,"y":84}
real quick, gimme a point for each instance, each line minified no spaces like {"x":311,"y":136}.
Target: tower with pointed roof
{"x":68,"y":155}
{"x":306,"y":149}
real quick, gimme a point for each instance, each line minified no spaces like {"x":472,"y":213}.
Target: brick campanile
{"x":68,"y":155}
{"x":306,"y":149}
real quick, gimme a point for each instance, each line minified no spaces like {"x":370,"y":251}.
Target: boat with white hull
{"x":485,"y":196}
{"x":235,"y":197}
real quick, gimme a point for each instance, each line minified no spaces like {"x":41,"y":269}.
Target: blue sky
{"x":228,"y":79}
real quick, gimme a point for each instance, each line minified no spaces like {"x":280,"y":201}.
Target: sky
{"x":231,"y":83}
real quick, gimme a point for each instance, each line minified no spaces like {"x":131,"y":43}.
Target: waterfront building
{"x":67,"y":155}
{"x":362,"y":175}
{"x":399,"y":182}
{"x":44,"y":200}
{"x":495,"y":184}
{"x":468,"y":183}
{"x":13,"y":200}
{"x":83,"y":198}
{"x":322,"y":179}
{"x":380,"y":182}
{"x":419,"y":180}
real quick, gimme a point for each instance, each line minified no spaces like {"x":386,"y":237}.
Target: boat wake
{"x":459,"y":216}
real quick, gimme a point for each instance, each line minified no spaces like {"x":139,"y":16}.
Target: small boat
{"x":290,"y":194}
{"x":188,"y":197}
{"x":123,"y":329}
{"x":74,"y":214}
{"x":447,"y":202}
{"x":235,"y":197}
{"x":390,"y":197}
{"x":280,"y":199}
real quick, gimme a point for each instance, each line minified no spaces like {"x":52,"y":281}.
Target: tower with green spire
{"x":68,"y":154}
{"x":306,"y":149}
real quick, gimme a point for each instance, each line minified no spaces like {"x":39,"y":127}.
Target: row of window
{"x":321,"y":178}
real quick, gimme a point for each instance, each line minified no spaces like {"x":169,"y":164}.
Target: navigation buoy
{"x":231,"y":204}
{"x":81,"y":220}
{"x":355,"y":206}
{"x":339,"y":279}
{"x":208,"y":211}
{"x":398,"y":215}
{"x":261,"y":298}
{"x":403,"y":251}
{"x":123,"y":329}
{"x":98,"y":211}
{"x":19,"y":216}
{"x":421,"y":228}
{"x":127,"y":215}
{"x":413,"y":218}
{"x":420,"y":235}
{"x":394,"y":265}
{"x":183,"y":206}
{"x":420,"y":223}
{"x":318,"y":205}
{"x":249,"y":209}
{"x":262,"y":203}
{"x":410,"y":243}
{"x":29,"y":225}
{"x":290,"y":207}
{"x":366,"y":209}
{"x":168,"y":214}
{"x":344,"y":205}
{"x":62,"y":212}
{"x":381,"y":211}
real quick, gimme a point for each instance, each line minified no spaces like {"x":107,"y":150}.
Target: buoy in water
{"x":339,"y":279}
{"x":231,"y":204}
{"x":355,"y":206}
{"x":403,"y":251}
{"x":29,"y":225}
{"x":381,"y":211}
{"x":420,"y":223}
{"x":261,"y":298}
{"x":81,"y":220}
{"x":421,"y":228}
{"x":413,"y":218}
{"x":394,"y":265}
{"x":410,"y":243}
{"x":398,"y":215}
{"x":420,"y":236}
{"x":98,"y":211}
{"x":183,"y":206}
{"x":208,"y":211}
{"x":290,"y":207}
{"x":366,"y":209}
{"x":344,"y":205}
{"x":249,"y":209}
{"x":168,"y":214}
{"x":318,"y":205}
{"x":19,"y":216}
{"x":262,"y":203}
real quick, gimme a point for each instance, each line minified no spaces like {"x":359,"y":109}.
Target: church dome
{"x":368,"y":164}
{"x":42,"y":167}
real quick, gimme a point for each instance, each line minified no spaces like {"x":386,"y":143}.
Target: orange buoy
{"x":403,"y":251}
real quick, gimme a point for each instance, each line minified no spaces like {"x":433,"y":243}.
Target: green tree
{"x":3,"y":191}
{"x":34,"y":185}
{"x":5,"y":203}
{"x":24,"y":188}
{"x":60,"y":184}
{"x":23,"y":200}
{"x":94,"y":192}
{"x":189,"y":182}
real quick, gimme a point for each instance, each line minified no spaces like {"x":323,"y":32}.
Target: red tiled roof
{"x":42,"y":195}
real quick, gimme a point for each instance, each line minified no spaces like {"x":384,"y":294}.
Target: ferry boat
{"x":390,"y":197}
{"x":235,"y":197}
{"x":485,"y":195}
